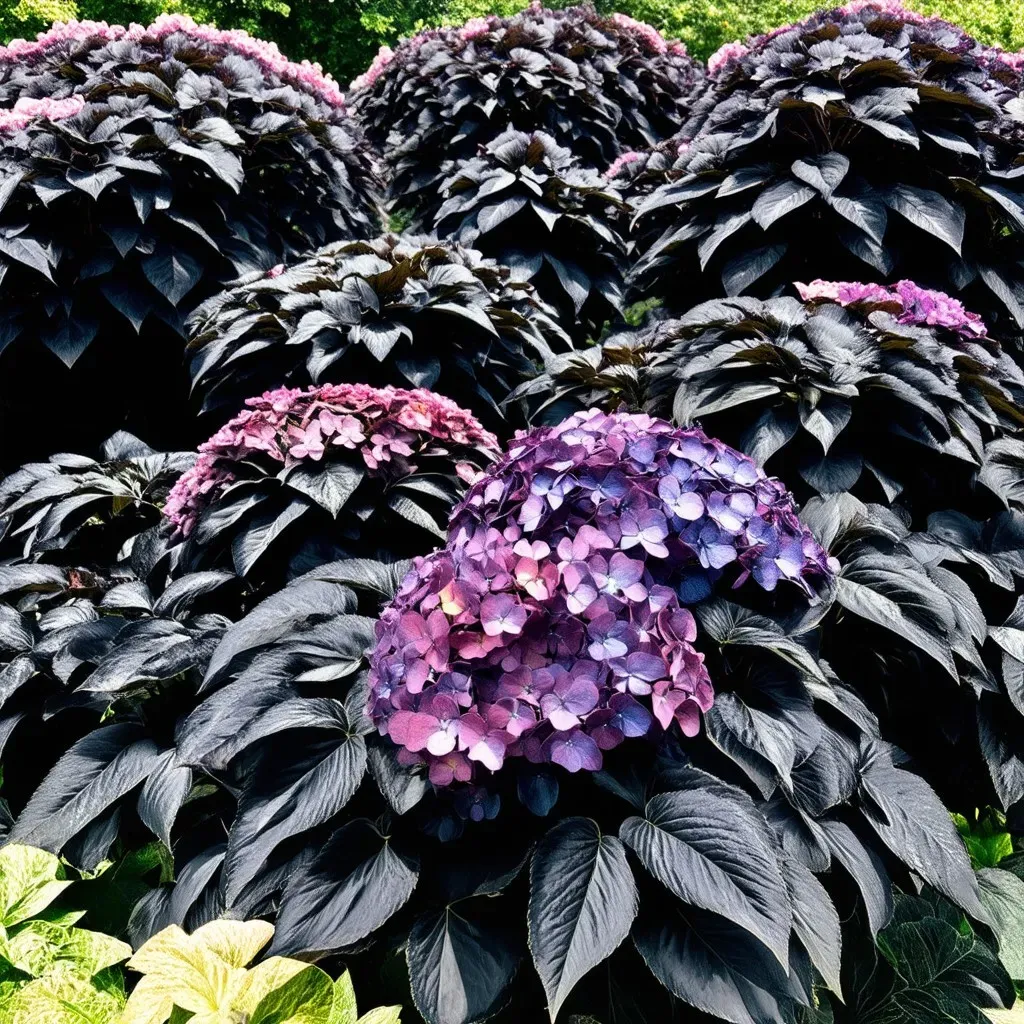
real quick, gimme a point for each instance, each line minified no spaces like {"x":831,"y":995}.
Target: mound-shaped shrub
{"x":301,"y":476}
{"x":786,"y":781}
{"x":894,"y":394}
{"x":528,"y":203}
{"x":390,"y":311}
{"x":140,"y":169}
{"x":598,"y":85}
{"x":96,"y":669}
{"x":866,"y":142}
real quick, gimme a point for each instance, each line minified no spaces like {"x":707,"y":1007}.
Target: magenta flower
{"x":911,"y":303}
{"x":553,"y":622}
{"x":501,"y":613}
{"x":290,"y":426}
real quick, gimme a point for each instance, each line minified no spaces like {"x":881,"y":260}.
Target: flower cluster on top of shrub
{"x":360,"y":470}
{"x":865,"y":142}
{"x":804,"y":387}
{"x":551,"y":626}
{"x":596,"y":84}
{"x":140,"y":170}
{"x":393,"y":310}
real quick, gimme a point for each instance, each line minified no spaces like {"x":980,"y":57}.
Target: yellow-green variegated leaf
{"x":30,"y":880}
{"x":306,"y":998}
{"x":264,"y":978}
{"x":382,"y":1015}
{"x":344,"y":1010}
{"x":179,"y":971}
{"x":88,"y":952}
{"x":63,"y":998}
{"x":34,"y":947}
{"x":234,"y":942}
{"x":1014,"y":1016}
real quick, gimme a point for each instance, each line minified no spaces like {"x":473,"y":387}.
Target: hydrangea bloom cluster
{"x":308,"y":76}
{"x":554,"y":626}
{"x":914,"y":305}
{"x":389,"y":427}
{"x":723,"y":55}
{"x":27,"y":110}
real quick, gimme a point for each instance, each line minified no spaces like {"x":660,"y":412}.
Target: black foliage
{"x":404,"y":311}
{"x":597,"y":85}
{"x":528,"y":203}
{"x":278,"y":518}
{"x":830,"y":399}
{"x":189,"y":165}
{"x":77,"y":511}
{"x":729,"y":863}
{"x":865,"y":145}
{"x":903,"y":441}
{"x":96,"y":671}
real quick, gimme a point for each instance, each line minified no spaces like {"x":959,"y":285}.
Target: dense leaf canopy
{"x":139,"y":171}
{"x":862,"y":143}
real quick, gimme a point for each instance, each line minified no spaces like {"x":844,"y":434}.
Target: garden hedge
{"x":597,"y":594}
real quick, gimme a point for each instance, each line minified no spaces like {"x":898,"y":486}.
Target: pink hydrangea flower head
{"x":391,"y":428}
{"x":385,"y":55}
{"x":911,"y":303}
{"x":309,"y":77}
{"x":889,"y":7}
{"x":646,"y":34}
{"x":623,"y":160}
{"x":724,"y":54}
{"x":476,"y":28}
{"x":554,"y":625}
{"x":27,"y":110}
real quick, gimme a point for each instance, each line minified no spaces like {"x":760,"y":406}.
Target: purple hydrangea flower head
{"x":911,"y":303}
{"x":391,"y":428}
{"x":555,"y":630}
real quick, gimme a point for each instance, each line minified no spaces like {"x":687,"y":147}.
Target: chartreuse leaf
{"x":306,"y":998}
{"x":63,"y":998}
{"x":205,"y":975}
{"x":345,"y":1010}
{"x":1014,"y":1016}
{"x":30,"y":880}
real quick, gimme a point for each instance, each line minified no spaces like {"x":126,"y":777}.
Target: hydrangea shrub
{"x":140,"y":170}
{"x":597,"y":85}
{"x":395,"y":310}
{"x":552,"y":627}
{"x":347,"y":467}
{"x":896,"y":394}
{"x":528,"y":203}
{"x":864,"y":143}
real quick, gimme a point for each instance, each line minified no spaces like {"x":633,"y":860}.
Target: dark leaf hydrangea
{"x":895,"y":393}
{"x":94,"y":670}
{"x":866,"y":142}
{"x":553,"y":626}
{"x":528,"y":203}
{"x":76,"y":510}
{"x":140,"y":169}
{"x":343,"y":468}
{"x":598,"y":85}
{"x":395,"y":310}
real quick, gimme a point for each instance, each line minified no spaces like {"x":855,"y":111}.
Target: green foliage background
{"x":343,"y":35}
